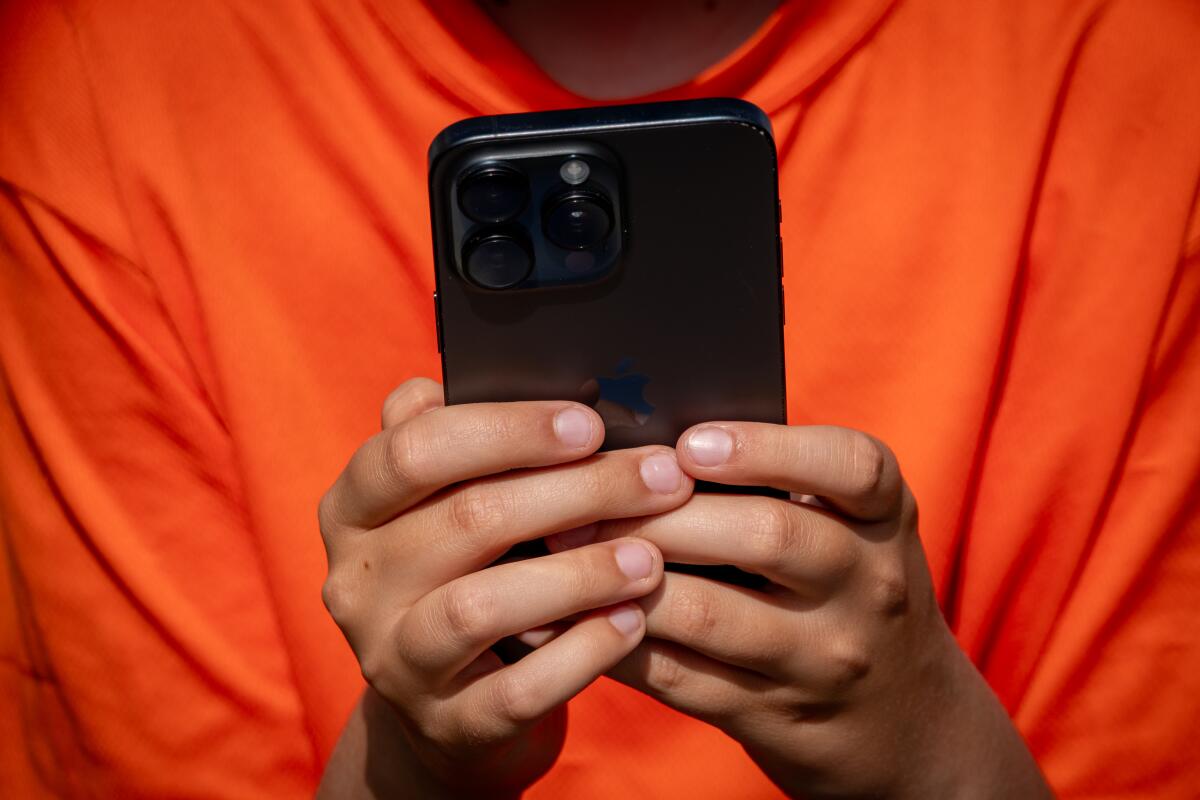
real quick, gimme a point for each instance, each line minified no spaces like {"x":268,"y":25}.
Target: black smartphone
{"x":627,"y":257}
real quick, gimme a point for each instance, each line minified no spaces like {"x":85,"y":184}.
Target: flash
{"x":574,"y":171}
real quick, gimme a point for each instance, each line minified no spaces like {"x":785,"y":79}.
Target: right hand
{"x":410,"y":527}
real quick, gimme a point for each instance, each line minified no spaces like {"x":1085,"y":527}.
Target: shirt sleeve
{"x":140,"y":655}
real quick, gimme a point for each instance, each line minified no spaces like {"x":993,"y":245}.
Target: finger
{"x":470,"y":526}
{"x":854,"y":472}
{"x":690,"y":682}
{"x":507,"y":701}
{"x":814,"y":652}
{"x":795,"y":545}
{"x":452,"y":625}
{"x":542,"y":635}
{"x":404,"y":464}
{"x":735,"y":626}
{"x":414,"y":396}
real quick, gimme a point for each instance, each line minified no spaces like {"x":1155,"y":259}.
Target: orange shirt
{"x":215,"y":262}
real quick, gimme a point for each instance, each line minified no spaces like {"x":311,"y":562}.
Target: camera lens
{"x":578,"y":220}
{"x":493,"y":193}
{"x":497,"y":261}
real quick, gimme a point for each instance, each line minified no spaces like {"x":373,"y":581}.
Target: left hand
{"x":841,"y":678}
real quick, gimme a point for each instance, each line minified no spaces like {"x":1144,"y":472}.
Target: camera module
{"x":578,"y":220}
{"x":497,"y":260}
{"x":525,"y":218}
{"x":493,"y":193}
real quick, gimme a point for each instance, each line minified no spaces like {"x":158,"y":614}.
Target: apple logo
{"x":620,"y":400}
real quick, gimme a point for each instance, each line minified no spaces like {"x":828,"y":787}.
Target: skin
{"x":633,"y":48}
{"x":840,"y":678}
{"x":410,"y":527}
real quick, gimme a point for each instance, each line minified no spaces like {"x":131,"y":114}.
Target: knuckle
{"x":866,"y":463}
{"x":448,"y":728}
{"x":799,"y":707}
{"x":381,"y":663}
{"x":909,"y":514}
{"x":340,"y":599}
{"x":467,"y":610}
{"x":783,"y":539}
{"x":412,"y":395}
{"x":375,"y":671}
{"x":771,"y":534}
{"x":429,"y":719}
{"x":394,"y":407}
{"x":395,"y":402}
{"x":429,"y":391}
{"x":889,"y":592}
{"x":513,"y":700}
{"x":414,"y":392}
{"x":664,"y":674}
{"x":327,"y":514}
{"x":834,"y":559}
{"x":478,"y":511}
{"x":694,"y":614}
{"x":401,"y":458}
{"x":848,"y":661}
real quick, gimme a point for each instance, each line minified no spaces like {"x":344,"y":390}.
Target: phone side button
{"x":782,"y":306}
{"x":437,"y":320}
{"x":779,"y":249}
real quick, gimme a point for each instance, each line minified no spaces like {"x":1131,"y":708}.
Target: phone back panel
{"x":687,"y":328}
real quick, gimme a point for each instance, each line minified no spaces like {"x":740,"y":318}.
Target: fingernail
{"x":573,"y":427}
{"x":661,"y":473}
{"x":575,"y":537}
{"x":709,"y":447}
{"x":635,"y":560}
{"x":536,"y":637}
{"x":625,"y":619}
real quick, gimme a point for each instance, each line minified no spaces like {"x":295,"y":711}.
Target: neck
{"x":627,"y":48}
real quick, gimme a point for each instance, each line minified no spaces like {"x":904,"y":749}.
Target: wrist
{"x":375,"y":758}
{"x":972,"y":748}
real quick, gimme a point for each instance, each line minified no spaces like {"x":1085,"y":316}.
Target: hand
{"x":841,"y":678}
{"x":410,"y":527}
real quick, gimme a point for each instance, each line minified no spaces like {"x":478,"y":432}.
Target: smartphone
{"x":627,"y":257}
